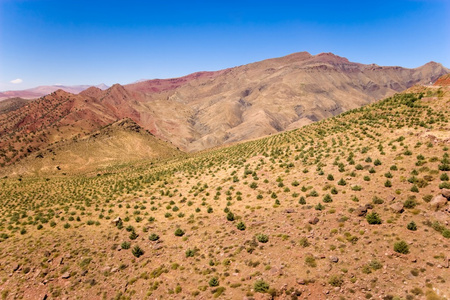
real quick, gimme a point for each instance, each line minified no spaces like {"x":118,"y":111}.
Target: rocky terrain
{"x":351,"y":207}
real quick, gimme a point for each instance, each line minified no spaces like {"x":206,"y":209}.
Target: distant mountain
{"x":208,"y":109}
{"x":45,"y":90}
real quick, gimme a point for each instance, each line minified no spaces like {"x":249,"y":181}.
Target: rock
{"x":15,"y":267}
{"x":334,"y":259}
{"x":313,"y":220}
{"x":84,"y":273}
{"x":273,"y":271}
{"x":301,"y":281}
{"x":361,"y":211}
{"x":438,"y":202}
{"x":390,"y":198}
{"x":157,"y":246}
{"x":446,"y":193}
{"x":106,"y":269}
{"x":289,"y":210}
{"x":116,"y":221}
{"x":65,"y":275}
{"x":397,"y":207}
{"x":114,"y":270}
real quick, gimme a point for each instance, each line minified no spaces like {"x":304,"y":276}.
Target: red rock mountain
{"x":208,"y":109}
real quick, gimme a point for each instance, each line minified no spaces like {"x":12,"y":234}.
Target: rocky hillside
{"x":354,"y":207}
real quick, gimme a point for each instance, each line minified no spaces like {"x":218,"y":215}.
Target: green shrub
{"x":262,"y":238}
{"x":190,"y":252}
{"x":304,"y":242}
{"x":373,"y":218}
{"x":153,"y":237}
{"x":125,"y":245}
{"x":241,"y":226}
{"x":401,"y":247}
{"x":261,"y":286}
{"x":137,"y":251}
{"x":133,"y":235}
{"x":230,"y":216}
{"x":410,"y":203}
{"x":411,"y":226}
{"x":213,"y":282}
{"x":302,"y":200}
{"x":336,"y":280}
{"x":179,"y":232}
{"x":327,"y":198}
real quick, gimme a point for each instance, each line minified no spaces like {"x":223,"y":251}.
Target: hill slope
{"x":354,"y":206}
{"x":122,"y":142}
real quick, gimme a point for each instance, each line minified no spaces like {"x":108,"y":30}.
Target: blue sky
{"x":91,"y":42}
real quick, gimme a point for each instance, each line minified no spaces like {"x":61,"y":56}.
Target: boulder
{"x":334,"y":259}
{"x":313,"y":220}
{"x":397,"y":207}
{"x":116,"y":221}
{"x":438,"y":202}
{"x":390,"y":198}
{"x":446,"y":193}
{"x":361,"y":211}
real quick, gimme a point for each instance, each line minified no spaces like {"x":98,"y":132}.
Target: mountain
{"x":122,"y":142}
{"x":43,"y":90}
{"x":352,"y":207}
{"x":215,"y":108}
{"x":210,"y":109}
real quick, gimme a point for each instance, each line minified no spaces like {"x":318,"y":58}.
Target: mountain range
{"x":45,"y":90}
{"x":210,"y":109}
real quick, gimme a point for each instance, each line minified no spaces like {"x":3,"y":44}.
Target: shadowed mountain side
{"x":12,"y":104}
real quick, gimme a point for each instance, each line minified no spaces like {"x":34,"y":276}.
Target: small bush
{"x":213,"y":282}
{"x":179,"y":232}
{"x":125,"y":245}
{"x":401,"y":247}
{"x":327,"y":198}
{"x":262,"y":238}
{"x":373,"y":218}
{"x":261,"y":286}
{"x":137,"y":251}
{"x":336,"y":280}
{"x":412,"y":226}
{"x":153,"y":237}
{"x":241,"y":226}
{"x":230,"y":216}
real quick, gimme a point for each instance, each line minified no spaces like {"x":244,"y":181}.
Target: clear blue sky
{"x":91,"y":42}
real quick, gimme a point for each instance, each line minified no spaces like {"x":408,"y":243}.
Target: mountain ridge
{"x":208,"y":109}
